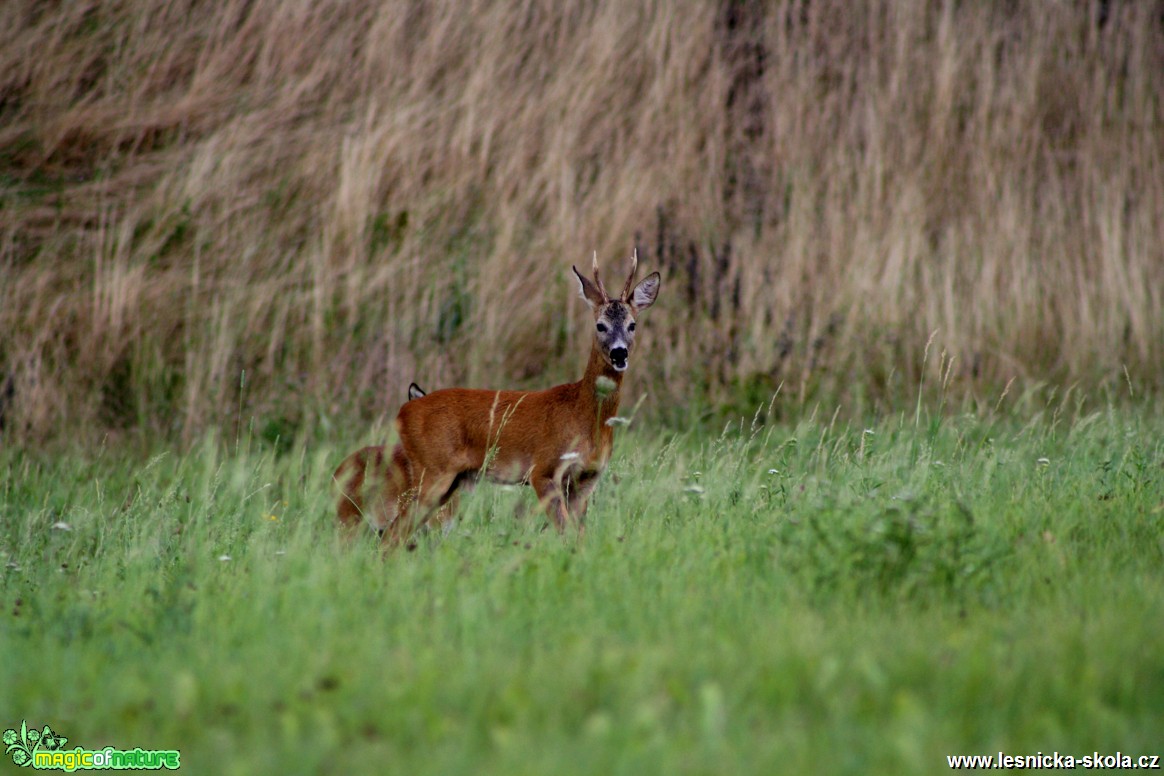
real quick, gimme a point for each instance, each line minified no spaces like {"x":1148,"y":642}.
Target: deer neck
{"x":605,"y":403}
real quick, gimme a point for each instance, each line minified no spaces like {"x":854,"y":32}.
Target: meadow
{"x":894,"y":490}
{"x":819,"y":596}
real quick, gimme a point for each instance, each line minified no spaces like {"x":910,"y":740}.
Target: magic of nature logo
{"x":45,"y":749}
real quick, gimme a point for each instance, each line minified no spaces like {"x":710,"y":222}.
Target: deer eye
{"x":630,"y":326}
{"x":601,"y":327}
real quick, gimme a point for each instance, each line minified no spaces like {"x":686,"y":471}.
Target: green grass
{"x":795,"y":599}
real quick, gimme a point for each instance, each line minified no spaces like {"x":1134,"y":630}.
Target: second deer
{"x":557,"y":440}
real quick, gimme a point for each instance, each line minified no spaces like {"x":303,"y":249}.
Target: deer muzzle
{"x":618,"y":357}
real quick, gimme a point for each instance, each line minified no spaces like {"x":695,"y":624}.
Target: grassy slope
{"x":882,"y":600}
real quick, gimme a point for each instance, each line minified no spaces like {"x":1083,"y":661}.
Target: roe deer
{"x":369,"y":465}
{"x":557,"y":440}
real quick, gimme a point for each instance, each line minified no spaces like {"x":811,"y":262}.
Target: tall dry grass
{"x":335,"y":198}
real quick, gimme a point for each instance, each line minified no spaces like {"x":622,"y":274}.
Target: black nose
{"x":618,"y":354}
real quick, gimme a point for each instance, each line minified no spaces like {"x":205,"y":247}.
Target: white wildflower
{"x":604,"y":386}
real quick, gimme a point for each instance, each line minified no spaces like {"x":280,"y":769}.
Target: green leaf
{"x":58,"y":738}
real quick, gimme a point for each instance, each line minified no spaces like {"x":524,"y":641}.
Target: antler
{"x":630,"y":281}
{"x":597,"y":281}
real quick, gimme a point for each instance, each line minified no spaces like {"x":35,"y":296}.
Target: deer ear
{"x":588,"y":290}
{"x":646,"y":291}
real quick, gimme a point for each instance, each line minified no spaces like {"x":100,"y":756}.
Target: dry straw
{"x":342,"y":197}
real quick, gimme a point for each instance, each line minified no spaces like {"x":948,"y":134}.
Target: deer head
{"x":614,"y":319}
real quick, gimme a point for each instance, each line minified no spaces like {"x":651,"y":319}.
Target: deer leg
{"x":450,"y":502}
{"x":550,"y":496}
{"x":370,"y":486}
{"x":420,"y":503}
{"x":578,"y":492}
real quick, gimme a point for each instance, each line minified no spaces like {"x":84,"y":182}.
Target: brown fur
{"x":556,"y":440}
